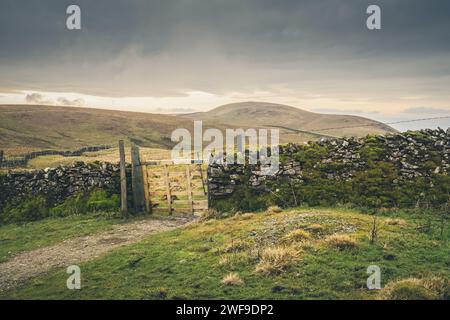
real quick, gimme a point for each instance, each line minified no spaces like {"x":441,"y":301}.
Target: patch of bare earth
{"x":27,"y":265}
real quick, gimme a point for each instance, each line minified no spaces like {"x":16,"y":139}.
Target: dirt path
{"x":74,"y":251}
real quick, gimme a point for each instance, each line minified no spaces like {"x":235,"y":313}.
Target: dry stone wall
{"x":413,"y":154}
{"x":57,"y":184}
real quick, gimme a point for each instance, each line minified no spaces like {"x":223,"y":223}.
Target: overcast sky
{"x":181,"y":55}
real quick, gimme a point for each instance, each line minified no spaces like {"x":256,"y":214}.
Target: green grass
{"x":190,"y":263}
{"x":18,"y":238}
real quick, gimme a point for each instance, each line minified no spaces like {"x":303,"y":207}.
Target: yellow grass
{"x":232,"y":279}
{"x":277,"y":259}
{"x":340,"y":241}
{"x":395,"y":222}
{"x":297,"y":236}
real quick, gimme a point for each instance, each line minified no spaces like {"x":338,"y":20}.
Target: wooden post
{"x":209,"y":193}
{"x":189,"y":188}
{"x":137,"y":180}
{"x":203,"y":180}
{"x":123,"y":180}
{"x":1,"y":157}
{"x":148,"y":206}
{"x":168,"y":191}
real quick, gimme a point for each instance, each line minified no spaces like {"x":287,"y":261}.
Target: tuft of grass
{"x":298,"y":235}
{"x":234,"y":246}
{"x":232,"y":279}
{"x":417,"y":289}
{"x":277,"y":259}
{"x":246,"y":216}
{"x":225,"y":261}
{"x":315,"y":228}
{"x":340,"y":242}
{"x":395,"y":222}
{"x":274,"y":209}
{"x":209,"y":214}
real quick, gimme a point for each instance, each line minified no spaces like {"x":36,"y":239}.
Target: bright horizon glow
{"x":198,"y":101}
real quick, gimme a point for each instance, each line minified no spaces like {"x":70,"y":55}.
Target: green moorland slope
{"x":295,"y":254}
{"x":25,"y":128}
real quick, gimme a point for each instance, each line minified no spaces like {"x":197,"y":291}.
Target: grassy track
{"x":18,"y":238}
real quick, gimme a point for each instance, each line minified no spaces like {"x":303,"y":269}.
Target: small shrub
{"x":416,"y":289}
{"x":98,"y":200}
{"x":232,"y":279}
{"x":277,"y":259}
{"x":75,"y":205}
{"x":297,"y":236}
{"x":340,"y":242}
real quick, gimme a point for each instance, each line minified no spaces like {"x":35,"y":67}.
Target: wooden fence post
{"x":189,"y":189}
{"x":168,"y":191}
{"x":147,"y":198}
{"x":200,"y":167}
{"x":207,"y":184}
{"x":137,"y":179}
{"x":123,"y":180}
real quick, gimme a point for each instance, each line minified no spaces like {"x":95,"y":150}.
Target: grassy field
{"x":109,"y":155}
{"x":295,"y":254}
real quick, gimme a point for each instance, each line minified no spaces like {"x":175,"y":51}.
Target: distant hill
{"x":25,"y":128}
{"x":251,"y":114}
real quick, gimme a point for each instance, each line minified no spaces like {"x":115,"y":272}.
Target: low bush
{"x":30,"y":209}
{"x":96,"y":200}
{"x":37,"y":207}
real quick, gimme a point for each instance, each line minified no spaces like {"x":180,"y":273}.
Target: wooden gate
{"x":164,"y":187}
{"x":172,"y":187}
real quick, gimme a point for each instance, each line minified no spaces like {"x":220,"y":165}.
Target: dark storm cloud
{"x":171,"y":47}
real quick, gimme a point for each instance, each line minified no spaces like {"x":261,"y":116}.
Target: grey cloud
{"x":67,"y":102}
{"x":167,"y":48}
{"x":36,"y":98}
